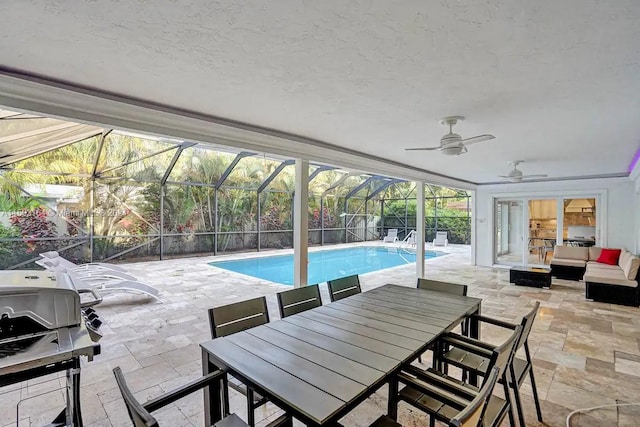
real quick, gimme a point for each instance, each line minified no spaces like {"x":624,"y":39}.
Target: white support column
{"x":301,"y":223}
{"x":474,"y":218}
{"x":420,"y":231}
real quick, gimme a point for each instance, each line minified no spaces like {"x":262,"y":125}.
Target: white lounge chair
{"x":51,"y":255}
{"x":96,"y":273}
{"x":98,"y":279}
{"x":441,"y":239}
{"x":391,"y":237}
{"x":102,"y":285}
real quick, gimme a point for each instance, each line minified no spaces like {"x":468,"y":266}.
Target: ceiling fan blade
{"x":504,"y":176}
{"x":478,"y":138}
{"x":423,"y":149}
{"x":534,"y":176}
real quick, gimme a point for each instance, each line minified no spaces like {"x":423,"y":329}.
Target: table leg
{"x":474,"y":332}
{"x":251,"y":416}
{"x":213,"y":405}
{"x":392,"y":409}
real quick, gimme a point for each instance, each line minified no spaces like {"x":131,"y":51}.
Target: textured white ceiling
{"x":557,"y":82}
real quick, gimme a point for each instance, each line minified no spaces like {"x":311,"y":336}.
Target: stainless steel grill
{"x":45,"y":329}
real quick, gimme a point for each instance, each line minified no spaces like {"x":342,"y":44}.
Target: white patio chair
{"x":392,"y":236}
{"x":441,"y":239}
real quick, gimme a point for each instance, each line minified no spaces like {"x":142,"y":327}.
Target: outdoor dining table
{"x":320,"y":364}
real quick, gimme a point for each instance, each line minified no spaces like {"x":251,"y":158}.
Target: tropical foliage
{"x":438,"y":216}
{"x":125,"y":197}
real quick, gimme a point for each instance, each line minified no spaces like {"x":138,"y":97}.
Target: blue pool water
{"x":325,"y":265}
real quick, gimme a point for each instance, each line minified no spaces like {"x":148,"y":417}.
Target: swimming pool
{"x":325,"y":265}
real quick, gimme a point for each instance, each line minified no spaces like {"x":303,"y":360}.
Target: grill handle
{"x":97,"y":298}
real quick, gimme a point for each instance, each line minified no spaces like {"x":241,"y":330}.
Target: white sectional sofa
{"x":616,"y":284}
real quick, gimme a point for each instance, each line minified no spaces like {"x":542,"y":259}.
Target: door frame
{"x":601,"y":214}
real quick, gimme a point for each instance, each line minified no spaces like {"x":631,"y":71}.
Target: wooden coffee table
{"x":530,"y":276}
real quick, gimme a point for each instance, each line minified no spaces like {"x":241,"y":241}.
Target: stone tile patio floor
{"x":585,"y":353}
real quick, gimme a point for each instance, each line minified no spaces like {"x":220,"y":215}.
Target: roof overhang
{"x":88,"y":106}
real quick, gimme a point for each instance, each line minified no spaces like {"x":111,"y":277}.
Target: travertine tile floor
{"x":585,"y":353}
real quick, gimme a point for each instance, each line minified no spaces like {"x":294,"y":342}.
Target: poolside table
{"x":320,"y":364}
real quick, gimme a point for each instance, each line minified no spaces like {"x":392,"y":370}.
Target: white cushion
{"x":601,"y":266}
{"x":625,"y":257}
{"x":631,"y":268}
{"x":594,"y":253}
{"x":570,"y":252}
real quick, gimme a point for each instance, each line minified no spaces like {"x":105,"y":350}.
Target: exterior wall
{"x":617,"y":214}
{"x":637,"y":216}
{"x":637,"y":213}
{"x":635,"y":176}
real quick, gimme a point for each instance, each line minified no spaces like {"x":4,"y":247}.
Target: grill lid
{"x":49,"y":299}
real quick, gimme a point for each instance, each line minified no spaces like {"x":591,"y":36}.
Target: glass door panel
{"x":509,"y":232}
{"x":579,"y":222}
{"x":543,"y":230}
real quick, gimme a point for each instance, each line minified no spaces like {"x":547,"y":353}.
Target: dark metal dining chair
{"x":428,"y":390}
{"x":298,"y":300}
{"x":229,"y":319}
{"x":473,"y":358}
{"x":445,"y":287}
{"x":140,"y":413}
{"x":344,"y":287}
{"x":471,"y":413}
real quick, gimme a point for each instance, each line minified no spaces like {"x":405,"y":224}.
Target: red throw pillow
{"x":609,"y":256}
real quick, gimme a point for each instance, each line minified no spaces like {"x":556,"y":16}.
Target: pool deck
{"x":585,"y":353}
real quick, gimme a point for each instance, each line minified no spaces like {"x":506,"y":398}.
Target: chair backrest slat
{"x":239,"y":316}
{"x":503,"y":353}
{"x":447,"y":287}
{"x":472,"y":415}
{"x":344,"y":287}
{"x":140,"y":416}
{"x":298,"y":300}
{"x":527,"y":323}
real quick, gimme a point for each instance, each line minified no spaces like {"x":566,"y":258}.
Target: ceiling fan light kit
{"x":452,"y":144}
{"x":453,"y":150}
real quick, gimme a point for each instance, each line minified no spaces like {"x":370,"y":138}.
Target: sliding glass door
{"x":509,"y":232}
{"x":526,"y":230}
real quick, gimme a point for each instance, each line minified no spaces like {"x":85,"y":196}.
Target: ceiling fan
{"x":516,"y":174}
{"x":452,"y":144}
